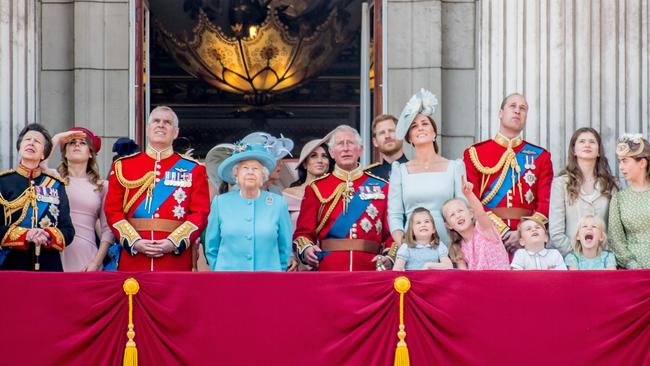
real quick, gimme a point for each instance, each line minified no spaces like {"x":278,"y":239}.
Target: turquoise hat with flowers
{"x":258,"y":146}
{"x":423,"y":102}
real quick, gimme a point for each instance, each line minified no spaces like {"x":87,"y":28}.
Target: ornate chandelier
{"x":260,"y":59}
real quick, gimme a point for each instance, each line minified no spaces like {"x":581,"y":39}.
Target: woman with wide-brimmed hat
{"x":314,"y":162}
{"x":249,"y":229}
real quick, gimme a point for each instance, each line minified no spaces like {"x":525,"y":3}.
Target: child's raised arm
{"x":480,"y":215}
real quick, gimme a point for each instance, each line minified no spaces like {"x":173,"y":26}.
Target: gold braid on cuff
{"x":182,"y":234}
{"x":128,"y":235}
{"x":302,"y":243}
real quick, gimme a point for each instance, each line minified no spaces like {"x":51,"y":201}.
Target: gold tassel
{"x":401,"y":285}
{"x":131,"y":287}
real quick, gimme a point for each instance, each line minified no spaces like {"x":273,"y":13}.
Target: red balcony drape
{"x":451,"y":317}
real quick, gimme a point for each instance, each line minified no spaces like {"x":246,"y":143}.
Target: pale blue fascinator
{"x":423,"y":102}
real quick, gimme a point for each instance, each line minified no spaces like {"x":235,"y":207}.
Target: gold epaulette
{"x":8,"y":171}
{"x":320,"y":178}
{"x":127,"y":156}
{"x":374,"y":176}
{"x":187,"y":157}
{"x":370,"y":166}
{"x":55,"y":177}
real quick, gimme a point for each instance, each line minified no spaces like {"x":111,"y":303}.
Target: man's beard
{"x":394,"y":150}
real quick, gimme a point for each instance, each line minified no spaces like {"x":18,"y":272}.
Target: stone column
{"x":85,"y":69}
{"x":431,"y":44}
{"x":18,"y":82}
{"x":101,"y":72}
{"x":459,"y":76}
{"x":414,"y":51}
{"x":579,"y":63}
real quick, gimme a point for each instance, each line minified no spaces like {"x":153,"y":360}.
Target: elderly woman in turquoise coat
{"x":249,"y":229}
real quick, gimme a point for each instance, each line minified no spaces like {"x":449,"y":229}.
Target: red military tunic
{"x":325,"y":202}
{"x":156,"y":196}
{"x":510,"y":181}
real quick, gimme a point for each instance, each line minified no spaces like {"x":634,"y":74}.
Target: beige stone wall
{"x":84,"y":69}
{"x":431,"y":44}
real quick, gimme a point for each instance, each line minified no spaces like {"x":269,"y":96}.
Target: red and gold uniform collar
{"x":28,"y":173}
{"x":345,"y":175}
{"x":506,"y":142}
{"x":159,"y":155}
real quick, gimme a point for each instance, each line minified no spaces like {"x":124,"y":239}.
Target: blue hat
{"x":244,"y":152}
{"x":125,"y":146}
{"x":423,"y":102}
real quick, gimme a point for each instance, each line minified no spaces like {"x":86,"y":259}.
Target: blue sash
{"x":356,"y":208}
{"x":161,"y":191}
{"x":531,"y":150}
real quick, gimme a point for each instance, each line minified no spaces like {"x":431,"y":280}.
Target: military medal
{"x":180,"y":195}
{"x":530,"y":178}
{"x":378,"y":226}
{"x":377,"y":193}
{"x":530,"y":163}
{"x":47,"y":194}
{"x":372,"y":211}
{"x":178,"y":211}
{"x":178,"y":179}
{"x":366,"y":225}
{"x":45,"y":222}
{"x":529,"y":196}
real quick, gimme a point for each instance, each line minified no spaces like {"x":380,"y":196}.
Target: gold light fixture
{"x":258,"y":60}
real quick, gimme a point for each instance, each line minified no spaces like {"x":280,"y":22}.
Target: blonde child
{"x":475,"y":242}
{"x":423,"y":248}
{"x":534,"y":255}
{"x":590,"y":246}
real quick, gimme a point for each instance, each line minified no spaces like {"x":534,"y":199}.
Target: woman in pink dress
{"x":314,"y":162}
{"x":86,"y":193}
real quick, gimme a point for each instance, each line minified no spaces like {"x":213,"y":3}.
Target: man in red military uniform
{"x":511,"y":176}
{"x":343,"y":223}
{"x":157,"y":202}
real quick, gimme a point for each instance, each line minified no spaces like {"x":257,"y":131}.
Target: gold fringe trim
{"x":401,"y":285}
{"x":131,"y":287}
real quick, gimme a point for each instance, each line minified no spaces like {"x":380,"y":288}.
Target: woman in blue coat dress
{"x":249,"y":229}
